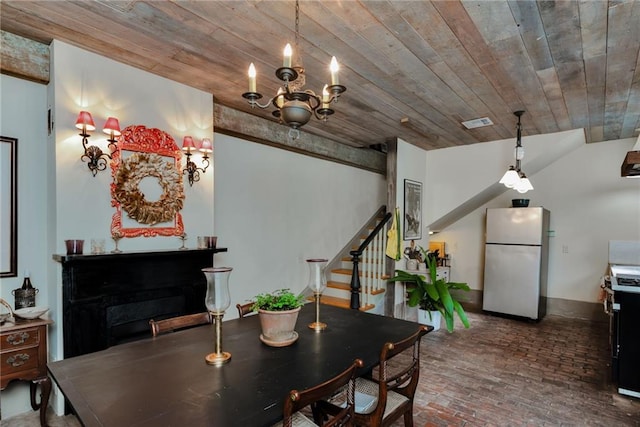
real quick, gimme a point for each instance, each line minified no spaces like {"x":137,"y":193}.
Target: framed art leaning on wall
{"x":8,"y":207}
{"x":412,"y":224}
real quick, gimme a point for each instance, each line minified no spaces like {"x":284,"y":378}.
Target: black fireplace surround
{"x":108,"y":299}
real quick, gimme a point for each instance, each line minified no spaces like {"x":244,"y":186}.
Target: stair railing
{"x":372,"y":253}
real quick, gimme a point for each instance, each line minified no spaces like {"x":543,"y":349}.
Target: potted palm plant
{"x":278,"y":313}
{"x":433,"y":296}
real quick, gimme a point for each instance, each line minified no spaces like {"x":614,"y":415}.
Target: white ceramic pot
{"x":434,"y":320}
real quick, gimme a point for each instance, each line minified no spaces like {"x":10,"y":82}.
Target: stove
{"x":625,"y":278}
{"x":623,"y":305}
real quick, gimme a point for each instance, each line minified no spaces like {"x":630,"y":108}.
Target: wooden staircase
{"x":370,"y":271}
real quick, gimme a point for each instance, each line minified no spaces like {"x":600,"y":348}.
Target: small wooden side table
{"x":23,"y":355}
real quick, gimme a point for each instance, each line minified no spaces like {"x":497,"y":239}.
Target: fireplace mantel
{"x":109,"y":298}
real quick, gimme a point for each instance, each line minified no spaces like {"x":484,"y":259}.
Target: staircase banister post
{"x":355,"y":280}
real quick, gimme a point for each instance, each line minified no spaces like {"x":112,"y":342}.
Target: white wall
{"x":23,"y":115}
{"x":275,"y":209}
{"x":411,"y":164}
{"x":590,"y":204}
{"x":86,"y":81}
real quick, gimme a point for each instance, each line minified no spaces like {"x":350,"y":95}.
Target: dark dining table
{"x":165,"y":381}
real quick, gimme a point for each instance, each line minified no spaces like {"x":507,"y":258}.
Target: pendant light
{"x":514,"y":177}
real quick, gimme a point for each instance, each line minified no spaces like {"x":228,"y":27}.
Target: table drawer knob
{"x":18,"y":359}
{"x":17,"y":339}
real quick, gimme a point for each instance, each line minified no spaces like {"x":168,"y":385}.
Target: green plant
{"x":434,"y":294}
{"x":280,"y":300}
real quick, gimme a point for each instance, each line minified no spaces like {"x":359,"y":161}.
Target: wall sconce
{"x":190,"y":168}
{"x":96,"y":157}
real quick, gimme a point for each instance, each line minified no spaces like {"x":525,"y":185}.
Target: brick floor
{"x":506,"y":372}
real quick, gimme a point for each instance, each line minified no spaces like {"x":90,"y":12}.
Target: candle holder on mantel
{"x":116,"y":236}
{"x":217,"y":301}
{"x":183,"y":237}
{"x":317,"y":283}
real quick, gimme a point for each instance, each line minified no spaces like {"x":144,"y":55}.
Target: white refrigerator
{"x":516,"y":261}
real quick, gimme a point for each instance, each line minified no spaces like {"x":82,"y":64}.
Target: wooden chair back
{"x":180,"y":322}
{"x":402,"y":378}
{"x":245,"y":309}
{"x":297,"y":400}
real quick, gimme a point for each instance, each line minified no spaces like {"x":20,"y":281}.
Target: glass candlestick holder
{"x":317,"y":283}
{"x":217,"y":300}
{"x":116,"y":238}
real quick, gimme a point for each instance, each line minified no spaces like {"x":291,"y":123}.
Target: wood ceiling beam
{"x":24,"y":58}
{"x":246,"y":126}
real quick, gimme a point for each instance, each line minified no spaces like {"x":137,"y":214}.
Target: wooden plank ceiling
{"x":413,"y":69}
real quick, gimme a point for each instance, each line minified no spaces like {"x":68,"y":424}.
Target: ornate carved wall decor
{"x":146,"y":153}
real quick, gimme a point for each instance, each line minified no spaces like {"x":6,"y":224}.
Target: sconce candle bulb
{"x":112,"y":128}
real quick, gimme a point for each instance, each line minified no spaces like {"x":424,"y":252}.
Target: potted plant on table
{"x":278,"y":313}
{"x":433,"y":296}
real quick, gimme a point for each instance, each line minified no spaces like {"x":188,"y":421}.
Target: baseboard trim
{"x":472,"y":301}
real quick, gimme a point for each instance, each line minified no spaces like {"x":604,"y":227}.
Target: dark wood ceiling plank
{"x":461,"y":24}
{"x":527,"y":18}
{"x":623,"y":42}
{"x":501,"y":30}
{"x":631,"y":122}
{"x":404,"y":79}
{"x":435,"y":63}
{"x":562,"y":25}
{"x":398,"y":21}
{"x":354,"y":87}
{"x":593,"y":23}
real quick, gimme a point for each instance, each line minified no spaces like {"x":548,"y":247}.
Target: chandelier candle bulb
{"x":252,"y":78}
{"x":287,"y":56}
{"x":280,"y":97}
{"x":325,"y":97}
{"x":294,"y":105}
{"x":334,"y":67}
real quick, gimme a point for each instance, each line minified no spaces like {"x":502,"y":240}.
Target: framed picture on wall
{"x":412,"y":224}
{"x":9,"y":207}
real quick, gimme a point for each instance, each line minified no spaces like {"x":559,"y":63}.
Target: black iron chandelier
{"x":293,"y":104}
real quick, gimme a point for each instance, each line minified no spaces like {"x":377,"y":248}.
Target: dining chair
{"x":179,"y":322}
{"x":245,"y":309}
{"x":297,"y":400}
{"x":381,"y":399}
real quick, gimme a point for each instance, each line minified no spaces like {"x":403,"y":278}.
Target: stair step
{"x":348,"y":272}
{"x":343,"y":303}
{"x":348,"y":259}
{"x":347,"y":287}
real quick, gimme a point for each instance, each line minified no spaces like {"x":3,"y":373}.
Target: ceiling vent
{"x":477,"y":123}
{"x":631,"y":165}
